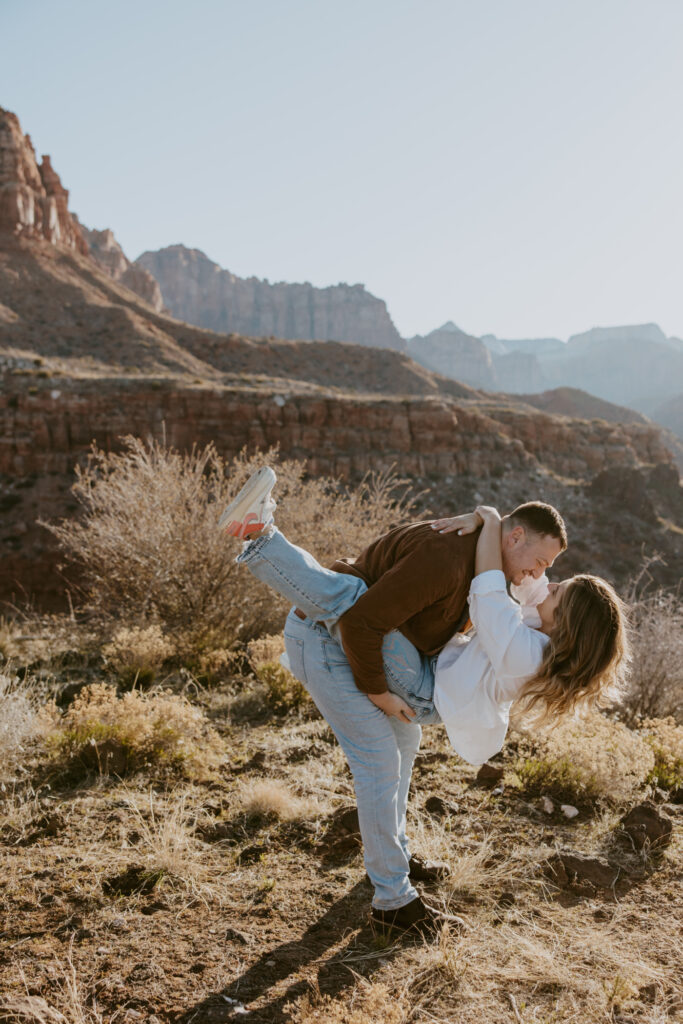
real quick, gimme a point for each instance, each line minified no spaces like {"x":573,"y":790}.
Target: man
{"x":410,"y":596}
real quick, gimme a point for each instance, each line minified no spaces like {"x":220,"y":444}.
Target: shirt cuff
{"x":485,"y":582}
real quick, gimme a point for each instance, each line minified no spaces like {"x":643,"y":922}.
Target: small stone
{"x":233,"y":935}
{"x":489,"y":775}
{"x":568,"y":810}
{"x":547,"y":804}
{"x":252,"y":853}
{"x":438,"y":806}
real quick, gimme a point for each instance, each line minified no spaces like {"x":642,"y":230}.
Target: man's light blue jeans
{"x":380,"y":750}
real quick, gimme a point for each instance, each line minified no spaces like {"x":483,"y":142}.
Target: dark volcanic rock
{"x":569,"y":868}
{"x":647,"y":824}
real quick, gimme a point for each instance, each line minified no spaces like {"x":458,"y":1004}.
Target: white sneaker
{"x":252,"y":510}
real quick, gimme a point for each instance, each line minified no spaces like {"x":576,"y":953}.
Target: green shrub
{"x":110,"y":733}
{"x":285,"y":692}
{"x":665,"y":737}
{"x":584,"y":760}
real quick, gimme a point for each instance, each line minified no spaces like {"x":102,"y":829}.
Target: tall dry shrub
{"x":656,"y":678}
{"x":18,"y":722}
{"x":149,"y":549}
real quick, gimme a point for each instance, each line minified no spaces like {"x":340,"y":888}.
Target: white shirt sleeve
{"x":513,"y":648}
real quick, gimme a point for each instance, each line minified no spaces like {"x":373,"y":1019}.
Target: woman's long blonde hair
{"x":586,"y":660}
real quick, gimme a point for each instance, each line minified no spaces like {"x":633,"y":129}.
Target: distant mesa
{"x":635,"y":366}
{"x":199,"y":291}
{"x":453,"y":353}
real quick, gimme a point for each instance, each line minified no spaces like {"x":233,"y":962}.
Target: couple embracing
{"x":379,"y":644}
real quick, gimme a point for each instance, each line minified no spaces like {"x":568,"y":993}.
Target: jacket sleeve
{"x":417,"y":580}
{"x":513,"y":648}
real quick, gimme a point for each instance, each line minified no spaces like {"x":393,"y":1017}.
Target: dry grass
{"x":167,"y":844}
{"x":368,"y":1004}
{"x":147,"y":540}
{"x":266,"y":798}
{"x":67,"y":1005}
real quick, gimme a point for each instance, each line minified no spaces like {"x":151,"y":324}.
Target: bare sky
{"x":513,"y":165}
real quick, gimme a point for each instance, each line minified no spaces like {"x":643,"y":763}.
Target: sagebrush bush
{"x":18,"y":722}
{"x":656,"y":677}
{"x":665,"y":737}
{"x":136,"y":654}
{"x":147,"y":541}
{"x":149,"y":728}
{"x":584,"y":760}
{"x":284,"y":691}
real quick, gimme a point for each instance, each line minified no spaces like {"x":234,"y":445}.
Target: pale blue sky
{"x":513,"y":165}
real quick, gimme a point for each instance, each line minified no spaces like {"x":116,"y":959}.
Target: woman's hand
{"x":488,"y":514}
{"x":467,"y":523}
{"x":392,"y":705}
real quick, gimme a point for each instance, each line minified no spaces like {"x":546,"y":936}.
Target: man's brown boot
{"x":416,"y":918}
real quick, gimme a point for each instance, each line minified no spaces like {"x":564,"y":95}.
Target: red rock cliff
{"x":33,"y":202}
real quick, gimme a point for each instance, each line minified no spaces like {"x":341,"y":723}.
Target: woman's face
{"x":546,"y":609}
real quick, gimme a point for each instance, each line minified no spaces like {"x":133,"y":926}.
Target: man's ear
{"x":516,"y":536}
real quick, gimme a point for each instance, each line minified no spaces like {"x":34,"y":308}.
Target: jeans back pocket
{"x":294,"y":646}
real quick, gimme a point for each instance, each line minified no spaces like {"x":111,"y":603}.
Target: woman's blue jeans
{"x":380,"y":750}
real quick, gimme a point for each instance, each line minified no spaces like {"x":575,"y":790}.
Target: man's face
{"x":527,"y":554}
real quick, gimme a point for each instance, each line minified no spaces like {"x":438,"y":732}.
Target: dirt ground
{"x":243,"y":895}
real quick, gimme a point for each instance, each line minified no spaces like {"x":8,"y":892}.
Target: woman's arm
{"x":464,"y":524}
{"x":489,"y":555}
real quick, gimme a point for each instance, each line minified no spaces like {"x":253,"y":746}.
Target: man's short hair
{"x":537,"y":517}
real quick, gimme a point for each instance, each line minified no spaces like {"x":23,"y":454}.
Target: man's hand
{"x":467,"y":523}
{"x":392,"y":705}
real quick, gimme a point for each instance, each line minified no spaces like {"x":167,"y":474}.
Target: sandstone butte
{"x":83,"y":358}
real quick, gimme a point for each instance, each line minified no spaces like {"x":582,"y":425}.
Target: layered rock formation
{"x":107,"y":252}
{"x":200,"y":292}
{"x":49,"y":422}
{"x":33,"y":202}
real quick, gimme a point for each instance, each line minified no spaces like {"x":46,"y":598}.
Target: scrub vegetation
{"x":177,"y":828}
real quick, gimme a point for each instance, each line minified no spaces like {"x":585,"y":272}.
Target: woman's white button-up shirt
{"x":477,"y":679}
